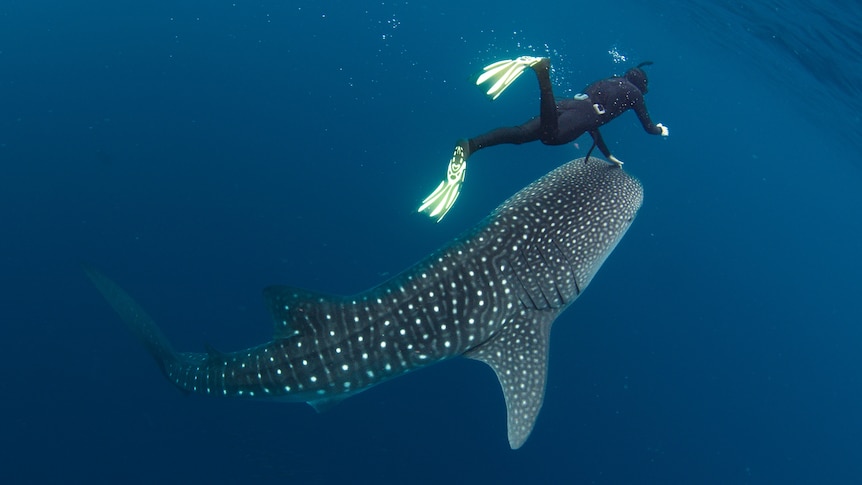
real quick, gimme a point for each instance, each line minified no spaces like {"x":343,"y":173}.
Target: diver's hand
{"x":664,"y":130}
{"x":616,"y":160}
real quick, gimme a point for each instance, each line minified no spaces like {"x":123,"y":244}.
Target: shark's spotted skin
{"x":490,"y":295}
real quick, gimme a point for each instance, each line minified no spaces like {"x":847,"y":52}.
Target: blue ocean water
{"x":200,"y":151}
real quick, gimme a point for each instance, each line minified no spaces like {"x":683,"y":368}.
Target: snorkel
{"x":638,"y":77}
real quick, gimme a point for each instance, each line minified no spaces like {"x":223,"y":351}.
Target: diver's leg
{"x":547,"y":104}
{"x":443,"y":198}
{"x":514,"y":135}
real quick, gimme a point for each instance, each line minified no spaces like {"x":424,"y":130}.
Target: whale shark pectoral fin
{"x":296,"y":310}
{"x":519,"y":356}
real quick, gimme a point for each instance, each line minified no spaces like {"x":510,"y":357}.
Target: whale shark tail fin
{"x":136,"y":319}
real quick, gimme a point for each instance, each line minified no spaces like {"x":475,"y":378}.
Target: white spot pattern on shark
{"x":491,"y":295}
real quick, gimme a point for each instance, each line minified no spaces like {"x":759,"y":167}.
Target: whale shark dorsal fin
{"x":519,"y":356}
{"x":296,"y":310}
{"x":214,"y":355}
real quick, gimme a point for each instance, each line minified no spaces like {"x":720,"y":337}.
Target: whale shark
{"x":491,"y":295}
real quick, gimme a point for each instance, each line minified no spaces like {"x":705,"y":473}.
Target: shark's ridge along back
{"x":490,"y":295}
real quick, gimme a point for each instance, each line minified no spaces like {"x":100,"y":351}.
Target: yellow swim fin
{"x":443,"y":198}
{"x":503,"y":73}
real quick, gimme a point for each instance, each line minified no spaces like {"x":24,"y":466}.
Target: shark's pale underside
{"x":490,"y":295}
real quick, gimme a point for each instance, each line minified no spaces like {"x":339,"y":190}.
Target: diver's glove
{"x":503,"y":73}
{"x":443,"y":198}
{"x":664,"y":130}
{"x":616,"y":160}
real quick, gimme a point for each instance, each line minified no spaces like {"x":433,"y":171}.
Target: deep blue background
{"x":199,"y":151}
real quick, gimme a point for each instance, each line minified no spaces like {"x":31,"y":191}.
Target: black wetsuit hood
{"x":638,"y":77}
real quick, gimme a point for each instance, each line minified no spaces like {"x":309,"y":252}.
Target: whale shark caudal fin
{"x":135,"y":318}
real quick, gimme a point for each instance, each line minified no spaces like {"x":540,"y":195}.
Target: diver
{"x":558,"y":123}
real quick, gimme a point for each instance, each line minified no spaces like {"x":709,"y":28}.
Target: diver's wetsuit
{"x":564,"y":121}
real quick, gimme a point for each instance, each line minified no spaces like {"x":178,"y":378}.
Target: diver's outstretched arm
{"x":600,"y":142}
{"x":643,"y":115}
